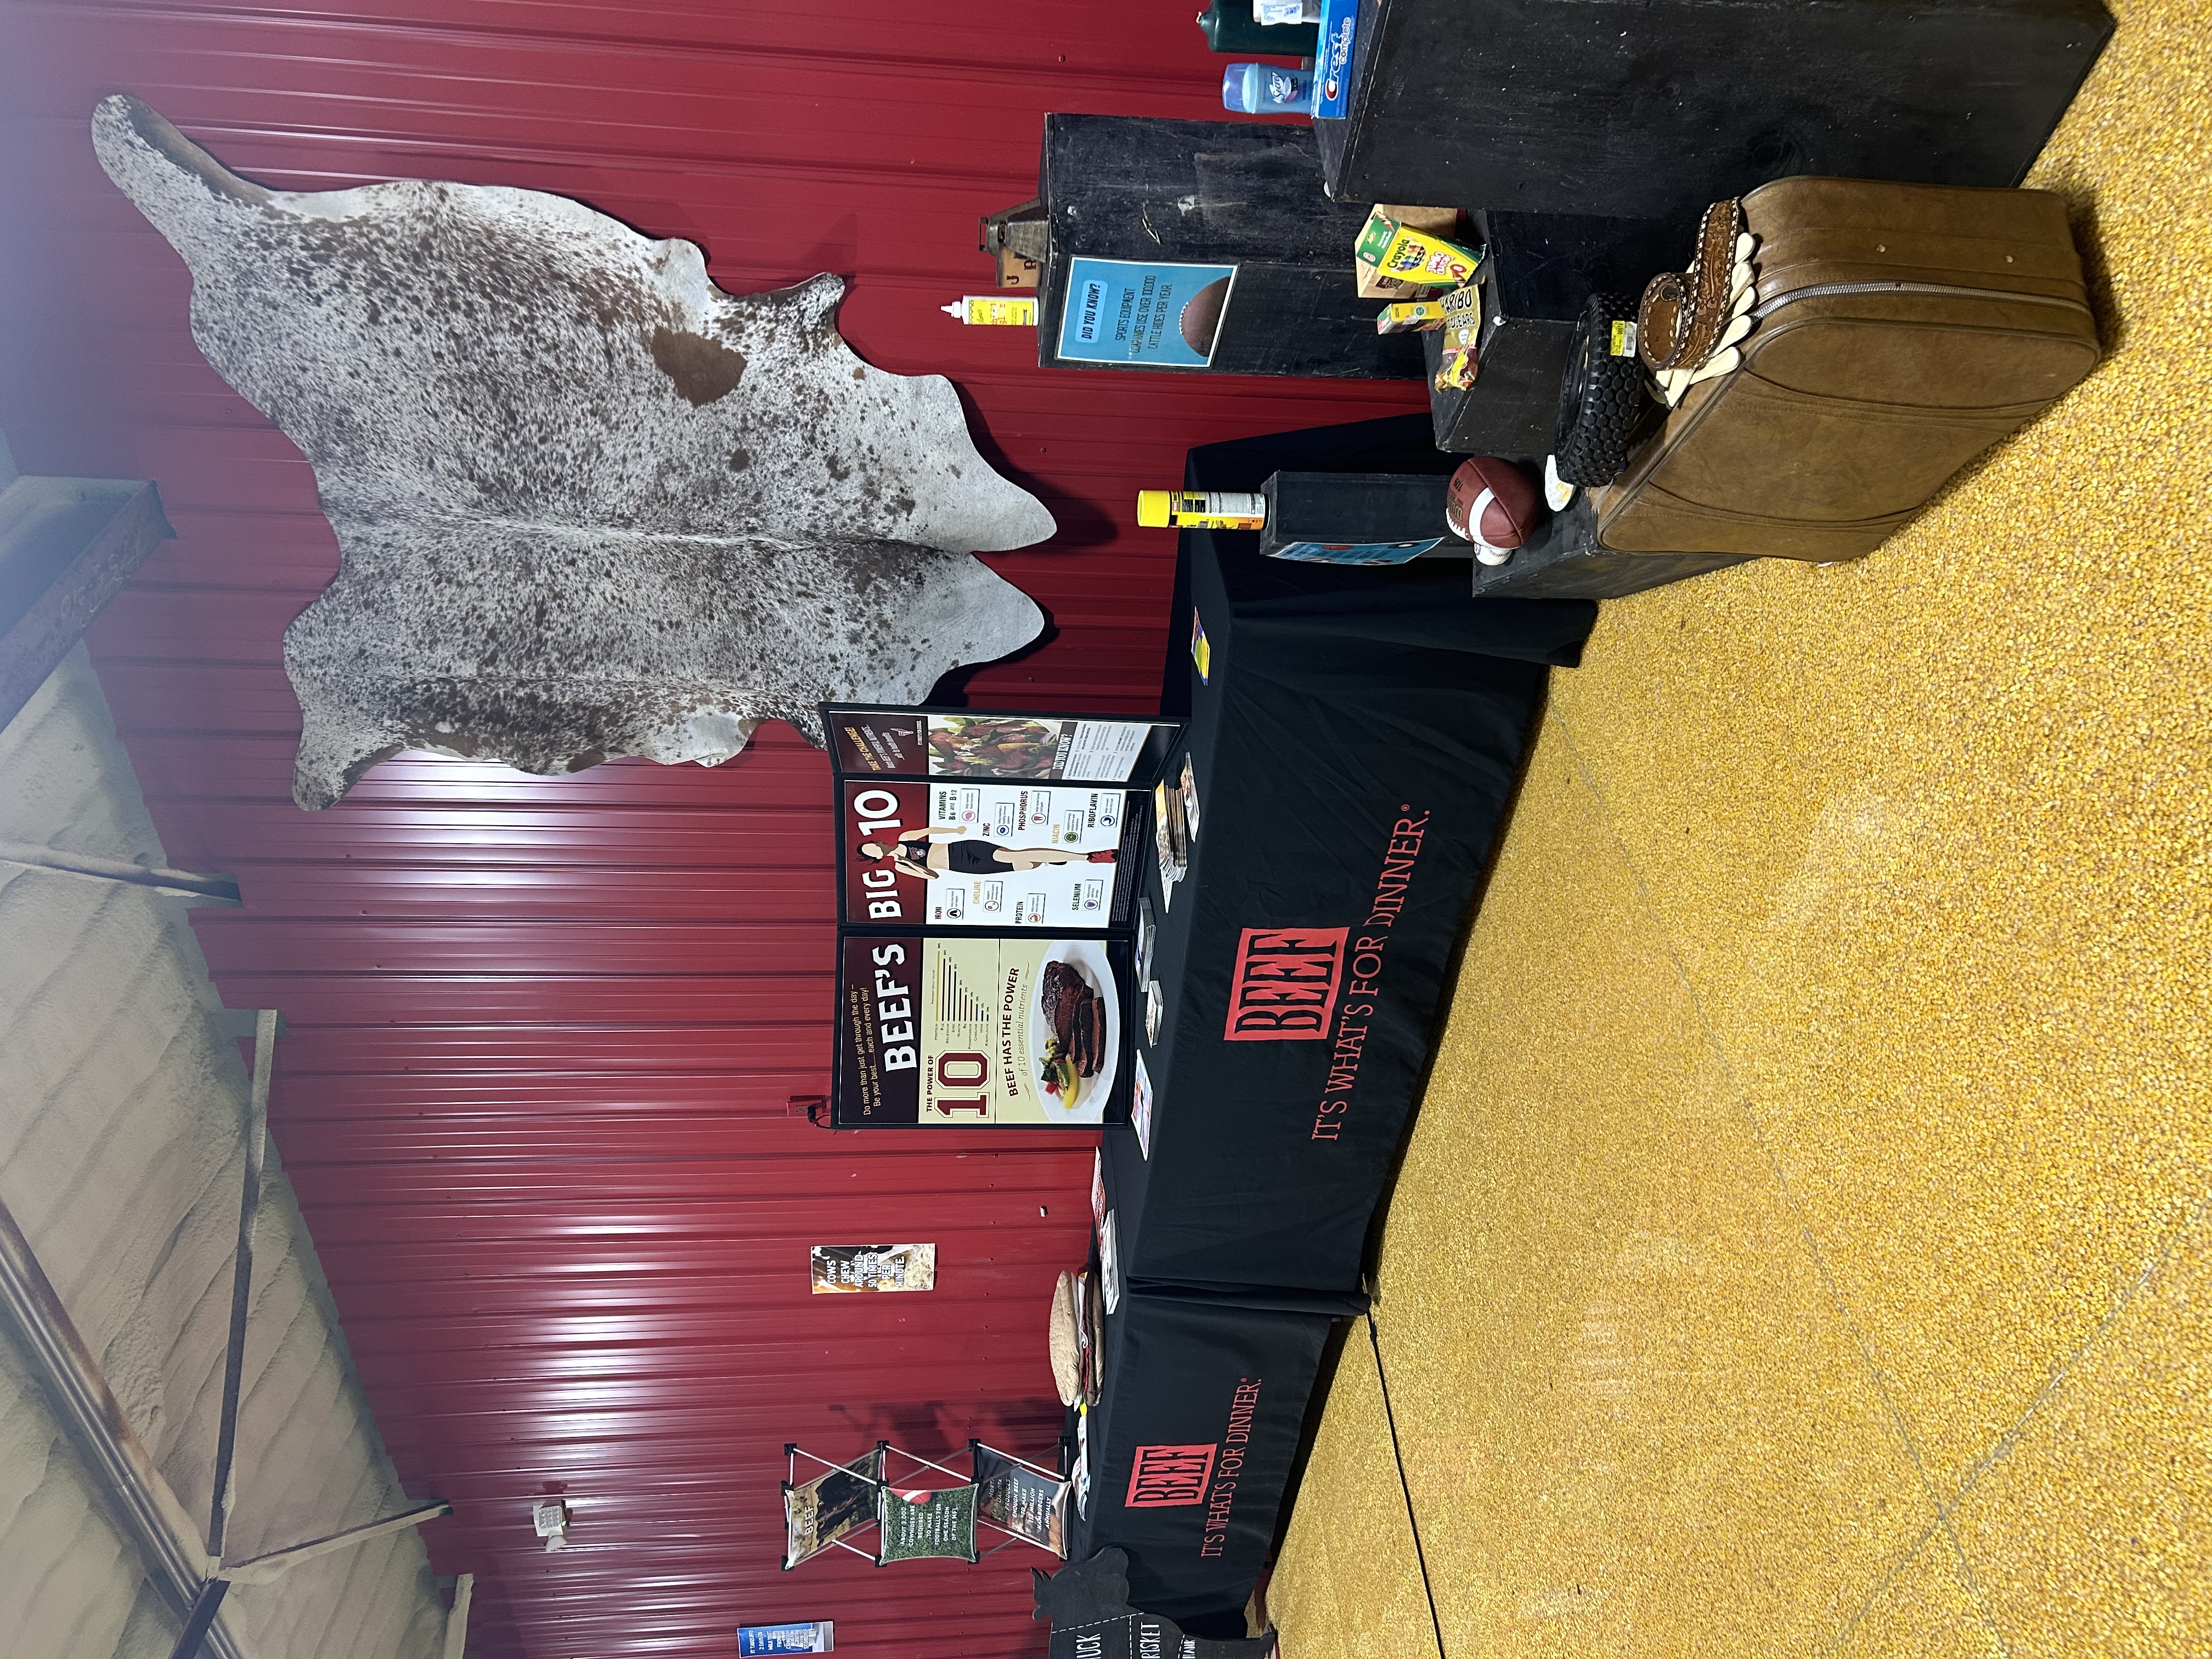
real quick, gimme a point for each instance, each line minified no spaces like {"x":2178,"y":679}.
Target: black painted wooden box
{"x":1540,"y":270}
{"x":1358,"y":506}
{"x":1653,"y":108}
{"x":1562,"y":561}
{"x":1231,"y":192}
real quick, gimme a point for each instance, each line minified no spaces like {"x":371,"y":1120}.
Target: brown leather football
{"x":1499,"y":497}
{"x":1201,"y":316}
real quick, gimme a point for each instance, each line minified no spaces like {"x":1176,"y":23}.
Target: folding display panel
{"x":981,"y":855}
{"x":914,"y":1520}
{"x":926,"y":1526}
{"x":1019,"y":1498}
{"x":825,"y":1512}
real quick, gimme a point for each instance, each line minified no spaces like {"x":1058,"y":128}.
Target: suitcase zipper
{"x":1825,"y":290}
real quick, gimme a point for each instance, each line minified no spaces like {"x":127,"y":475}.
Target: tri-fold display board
{"x":988,"y":865}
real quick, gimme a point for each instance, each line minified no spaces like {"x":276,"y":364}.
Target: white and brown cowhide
{"x":587,"y":503}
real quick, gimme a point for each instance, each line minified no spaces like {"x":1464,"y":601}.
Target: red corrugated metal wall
{"x":543,"y":1033}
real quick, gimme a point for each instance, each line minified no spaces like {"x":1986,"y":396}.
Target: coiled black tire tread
{"x":1600,"y":397}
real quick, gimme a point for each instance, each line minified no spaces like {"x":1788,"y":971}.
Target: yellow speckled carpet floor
{"x":1804,"y":1247}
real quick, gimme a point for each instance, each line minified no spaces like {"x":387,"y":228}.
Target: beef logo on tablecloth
{"x":1170,"y":1477}
{"x":1325,"y":984}
{"x":1200,"y":1476}
{"x":1285,"y":983}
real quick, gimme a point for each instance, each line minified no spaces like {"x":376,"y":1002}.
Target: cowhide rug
{"x":587,"y":503}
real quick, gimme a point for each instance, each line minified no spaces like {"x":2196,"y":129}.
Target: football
{"x":1491,"y":502}
{"x":1201,"y":316}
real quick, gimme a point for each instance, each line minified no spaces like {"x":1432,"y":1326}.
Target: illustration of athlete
{"x":927,"y":855}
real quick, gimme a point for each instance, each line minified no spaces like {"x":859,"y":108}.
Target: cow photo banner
{"x":849,"y":1269}
{"x":962,"y":854}
{"x":967,"y":1031}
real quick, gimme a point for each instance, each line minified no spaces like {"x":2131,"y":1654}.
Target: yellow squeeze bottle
{"x":1002,"y":310}
{"x":1201,"y":509}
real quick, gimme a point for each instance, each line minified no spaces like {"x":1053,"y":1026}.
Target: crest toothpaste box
{"x":1332,"y":72}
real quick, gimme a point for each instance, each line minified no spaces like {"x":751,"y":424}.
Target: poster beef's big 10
{"x":956,"y":854}
{"x":941,"y":1030}
{"x":988,"y":882}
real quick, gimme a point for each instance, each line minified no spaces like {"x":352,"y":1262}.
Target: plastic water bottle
{"x":1266,"y":89}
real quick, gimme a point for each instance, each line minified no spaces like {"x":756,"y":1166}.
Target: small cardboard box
{"x":1373,"y":285}
{"x":1443,"y":222}
{"x":1410,"y":317}
{"x":1399,"y":250}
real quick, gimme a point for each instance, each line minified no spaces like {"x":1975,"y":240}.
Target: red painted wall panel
{"x":543,"y":1031}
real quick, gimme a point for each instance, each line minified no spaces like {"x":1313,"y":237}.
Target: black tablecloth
{"x":1355,"y":747}
{"x":1355,"y":744}
{"x":1204,"y":1410}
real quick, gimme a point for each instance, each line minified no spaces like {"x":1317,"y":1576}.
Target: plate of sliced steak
{"x":1074,"y":1021}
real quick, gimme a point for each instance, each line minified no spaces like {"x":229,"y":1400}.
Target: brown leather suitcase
{"x":1899,"y":330}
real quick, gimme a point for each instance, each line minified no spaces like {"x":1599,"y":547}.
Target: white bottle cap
{"x":955,"y":309}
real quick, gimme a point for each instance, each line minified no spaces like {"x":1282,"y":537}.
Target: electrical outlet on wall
{"x":551,"y":1521}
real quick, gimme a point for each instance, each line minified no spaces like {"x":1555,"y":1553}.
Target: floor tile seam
{"x":1974,"y":1584}
{"x":1406,"y":1493}
{"x":1381,"y":1422}
{"x":1941,"y":1519}
{"x":2001,"y":1447}
{"x":1319,"y":1542}
{"x":1906,"y":1558}
{"x":1741,"y":1095}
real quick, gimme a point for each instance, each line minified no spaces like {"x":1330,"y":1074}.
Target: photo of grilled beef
{"x":1075,"y":1016}
{"x":1091,"y":1036}
{"x":1058,"y":994}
